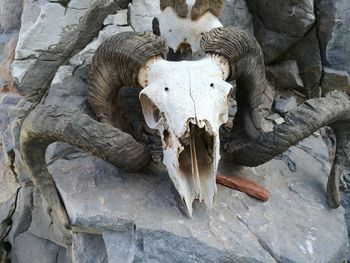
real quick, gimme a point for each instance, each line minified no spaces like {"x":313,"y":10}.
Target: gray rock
{"x":283,"y":106}
{"x":161,"y":246}
{"x":120,"y":246}
{"x":8,"y":43}
{"x":22,"y":217}
{"x":13,"y":109}
{"x":114,"y":24}
{"x":236,"y":13}
{"x":77,"y":91}
{"x":307,"y":53}
{"x":285,"y":75}
{"x":10,"y":15}
{"x":43,"y":225}
{"x":8,"y":112}
{"x":88,"y":248}
{"x":142,"y":14}
{"x":31,"y":249}
{"x":295,"y":225}
{"x":333,"y":19}
{"x":9,"y":183}
{"x":335,"y":80}
{"x":50,"y":34}
{"x":119,"y":19}
{"x":273,"y":20}
{"x":8,"y":194}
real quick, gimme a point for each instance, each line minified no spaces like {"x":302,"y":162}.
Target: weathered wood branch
{"x":244,"y":185}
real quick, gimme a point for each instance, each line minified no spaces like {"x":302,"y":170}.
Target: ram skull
{"x":187,"y":102}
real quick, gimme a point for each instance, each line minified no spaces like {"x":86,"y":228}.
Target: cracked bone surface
{"x":187,"y":102}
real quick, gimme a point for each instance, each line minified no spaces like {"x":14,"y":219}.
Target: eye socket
{"x":166,"y":89}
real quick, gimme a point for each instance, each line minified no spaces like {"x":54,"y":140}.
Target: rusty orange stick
{"x":244,"y":185}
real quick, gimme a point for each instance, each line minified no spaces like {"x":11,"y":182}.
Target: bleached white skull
{"x":187,"y":102}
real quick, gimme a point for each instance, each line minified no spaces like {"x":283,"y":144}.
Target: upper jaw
{"x":192,"y":164}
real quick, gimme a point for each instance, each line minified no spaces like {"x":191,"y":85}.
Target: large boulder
{"x":236,"y":13}
{"x":50,"y":33}
{"x":280,"y":24}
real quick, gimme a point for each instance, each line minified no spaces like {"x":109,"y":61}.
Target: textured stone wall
{"x":123,"y":217}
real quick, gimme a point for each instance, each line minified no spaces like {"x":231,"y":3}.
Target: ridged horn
{"x":180,"y":6}
{"x":115,"y":64}
{"x":247,"y":68}
{"x":250,"y":145}
{"x":202,"y":6}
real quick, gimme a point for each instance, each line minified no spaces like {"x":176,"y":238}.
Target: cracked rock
{"x":40,"y":250}
{"x":50,"y":33}
{"x":288,"y":228}
{"x":142,"y":14}
{"x":88,"y":248}
{"x":280,"y":24}
{"x":114,"y":24}
{"x":236,"y":13}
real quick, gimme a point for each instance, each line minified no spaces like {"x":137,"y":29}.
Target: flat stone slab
{"x":295,"y":225}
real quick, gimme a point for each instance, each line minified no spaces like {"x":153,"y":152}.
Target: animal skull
{"x":177,"y":30}
{"x":187,"y":102}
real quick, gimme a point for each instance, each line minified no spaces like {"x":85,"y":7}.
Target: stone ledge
{"x":296,"y":224}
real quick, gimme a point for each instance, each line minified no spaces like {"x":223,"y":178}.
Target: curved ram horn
{"x":250,"y":145}
{"x":202,"y":6}
{"x":333,"y":110}
{"x":180,"y":6}
{"x":247,"y":68}
{"x":45,"y":125}
{"x":115,"y":64}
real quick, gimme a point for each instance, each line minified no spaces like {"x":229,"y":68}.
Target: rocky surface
{"x":144,"y":213}
{"x":333,"y":31}
{"x":50,"y":34}
{"x":280,"y":24}
{"x":120,"y":217}
{"x":236,"y":13}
